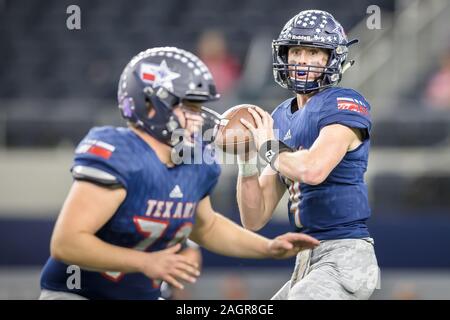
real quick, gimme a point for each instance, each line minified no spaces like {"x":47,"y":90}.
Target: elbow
{"x":252,"y":220}
{"x":59,"y":249}
{"x":56,"y":249}
{"x":312,"y":176}
{"x":252,"y":226}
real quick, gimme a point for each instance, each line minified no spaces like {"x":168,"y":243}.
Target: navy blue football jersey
{"x":158,"y":211}
{"x":338,"y":207}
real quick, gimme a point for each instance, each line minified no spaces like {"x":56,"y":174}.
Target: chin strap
{"x":352,"y":42}
{"x":350,"y":63}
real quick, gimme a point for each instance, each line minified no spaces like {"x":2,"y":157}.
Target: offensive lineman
{"x":131,"y":207}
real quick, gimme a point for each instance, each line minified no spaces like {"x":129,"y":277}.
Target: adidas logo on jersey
{"x":176,"y":192}
{"x":287,"y":136}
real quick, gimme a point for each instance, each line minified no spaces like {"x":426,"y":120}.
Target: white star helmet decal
{"x":338,"y":30}
{"x":158,"y":76}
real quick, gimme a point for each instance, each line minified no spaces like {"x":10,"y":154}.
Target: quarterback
{"x":317,"y":147}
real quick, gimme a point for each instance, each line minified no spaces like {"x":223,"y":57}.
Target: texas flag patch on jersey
{"x":352,"y":105}
{"x":97,"y":148}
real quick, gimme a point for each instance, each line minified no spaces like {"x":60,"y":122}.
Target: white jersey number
{"x":152,"y":230}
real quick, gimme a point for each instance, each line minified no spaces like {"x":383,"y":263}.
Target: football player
{"x":131,"y":208}
{"x":317,"y":147}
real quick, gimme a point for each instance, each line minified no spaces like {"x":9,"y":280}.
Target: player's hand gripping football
{"x":289,"y":244}
{"x":264,"y":126}
{"x":171,"y":267}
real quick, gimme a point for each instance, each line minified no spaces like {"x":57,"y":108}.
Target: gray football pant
{"x":59,"y":295}
{"x":344,"y":269}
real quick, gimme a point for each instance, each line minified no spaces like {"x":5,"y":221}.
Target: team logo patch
{"x":97,"y":148}
{"x":158,"y":75}
{"x":352,"y":105}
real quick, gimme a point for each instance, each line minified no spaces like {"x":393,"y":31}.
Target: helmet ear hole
{"x":150,"y":109}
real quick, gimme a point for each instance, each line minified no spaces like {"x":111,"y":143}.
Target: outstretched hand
{"x":289,"y":244}
{"x":170,"y":266}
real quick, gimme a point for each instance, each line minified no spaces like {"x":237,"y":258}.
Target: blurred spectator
{"x":405,"y":291}
{"x":225,"y":68}
{"x":438,"y":90}
{"x":234,"y":287}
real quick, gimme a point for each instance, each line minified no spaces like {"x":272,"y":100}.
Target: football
{"x":232,"y":136}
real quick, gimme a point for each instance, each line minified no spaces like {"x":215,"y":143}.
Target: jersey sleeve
{"x":212,"y":171}
{"x":212,"y":178}
{"x":348,"y":108}
{"x":98,"y":159}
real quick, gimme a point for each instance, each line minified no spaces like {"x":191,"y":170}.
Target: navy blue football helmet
{"x":165,"y":78}
{"x":311,"y":28}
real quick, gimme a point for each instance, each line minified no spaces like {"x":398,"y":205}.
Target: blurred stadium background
{"x":56,"y":83}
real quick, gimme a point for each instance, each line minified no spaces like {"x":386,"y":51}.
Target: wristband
{"x":270,"y":150}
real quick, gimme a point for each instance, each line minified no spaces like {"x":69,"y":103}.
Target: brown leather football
{"x":232,"y":136}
